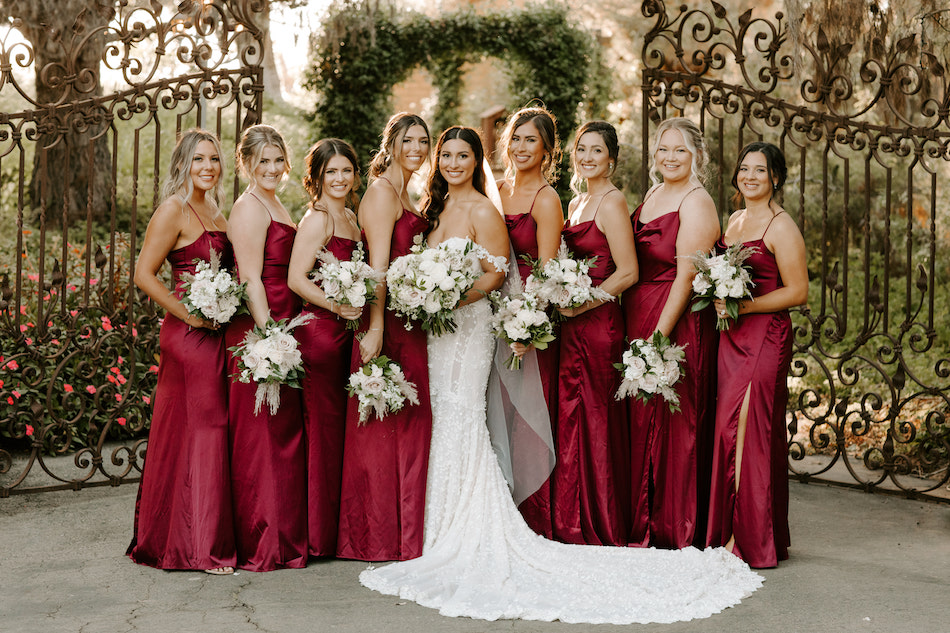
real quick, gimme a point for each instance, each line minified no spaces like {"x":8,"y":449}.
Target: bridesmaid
{"x":591,"y":476}
{"x":268,"y":472}
{"x":670,"y":451}
{"x":385,"y":462}
{"x":748,"y":512}
{"x":183,"y":511}
{"x":330,"y":176}
{"x":534,"y":219}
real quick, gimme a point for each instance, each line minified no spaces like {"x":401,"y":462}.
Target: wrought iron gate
{"x":867,"y":145}
{"x":89,"y":113}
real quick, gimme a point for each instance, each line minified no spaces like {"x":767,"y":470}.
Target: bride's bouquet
{"x":427,"y":283}
{"x":564,"y":282}
{"x":270,"y":357}
{"x":381,"y":388}
{"x":651,"y":367}
{"x":722,"y":276}
{"x":521,"y":319}
{"x":212,"y":292}
{"x":351,"y":282}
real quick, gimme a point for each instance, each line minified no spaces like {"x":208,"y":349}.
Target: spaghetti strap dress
{"x":523,"y":233}
{"x":385,"y":462}
{"x":183,"y":517}
{"x":670,"y":451}
{"x":591,"y":477}
{"x":268,"y":462}
{"x":325,"y":346}
{"x":754,"y":357}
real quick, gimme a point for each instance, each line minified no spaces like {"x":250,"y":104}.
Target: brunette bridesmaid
{"x":183,"y":511}
{"x":591,"y":478}
{"x":330,"y":176}
{"x":670,"y":451}
{"x":748,"y":511}
{"x":268,"y":472}
{"x":385,"y":462}
{"x":531,"y":152}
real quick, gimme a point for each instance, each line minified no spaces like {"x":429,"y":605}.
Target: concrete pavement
{"x":859,"y":563}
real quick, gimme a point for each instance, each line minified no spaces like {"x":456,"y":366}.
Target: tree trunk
{"x":68,"y":44}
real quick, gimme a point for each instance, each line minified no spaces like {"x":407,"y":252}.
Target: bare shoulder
{"x":615,"y":203}
{"x":482,"y":210}
{"x":785,"y":227}
{"x":248,"y":214}
{"x":315,"y":222}
{"x":698,"y":207}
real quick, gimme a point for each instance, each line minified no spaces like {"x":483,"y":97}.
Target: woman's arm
{"x":247,"y":230}
{"x":786,"y":242}
{"x":378,"y":212}
{"x":491,"y":234}
{"x":613,"y":219}
{"x":549,"y":217}
{"x":698,"y":231}
{"x":161,"y":236}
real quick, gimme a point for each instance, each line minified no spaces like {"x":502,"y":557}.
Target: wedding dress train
{"x":481,"y":560}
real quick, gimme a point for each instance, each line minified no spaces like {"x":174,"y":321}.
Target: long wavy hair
{"x":179,"y":177}
{"x":437,"y":189}
{"x":315,"y":168}
{"x":249,"y":150}
{"x":389,"y":147}
{"x":693,"y":139}
{"x":547,"y":130}
{"x":774,"y":164}
{"x":609,"y":134}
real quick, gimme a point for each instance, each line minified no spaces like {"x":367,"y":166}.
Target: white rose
{"x":649,"y":383}
{"x":635,"y":367}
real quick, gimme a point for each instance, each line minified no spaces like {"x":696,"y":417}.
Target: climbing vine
{"x":365,"y":50}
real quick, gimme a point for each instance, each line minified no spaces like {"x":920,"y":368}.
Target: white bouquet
{"x":270,"y":357}
{"x":381,"y":388}
{"x":351,"y":282}
{"x":651,"y":367}
{"x":211,"y":292}
{"x":427,"y":284}
{"x":564,"y":282}
{"x":521,"y":319}
{"x":722,"y":276}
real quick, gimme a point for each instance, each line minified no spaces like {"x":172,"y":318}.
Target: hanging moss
{"x":365,"y":51}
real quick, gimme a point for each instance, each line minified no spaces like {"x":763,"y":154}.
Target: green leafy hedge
{"x":364,"y":52}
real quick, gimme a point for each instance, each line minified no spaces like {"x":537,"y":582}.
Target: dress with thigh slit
{"x":754,"y":357}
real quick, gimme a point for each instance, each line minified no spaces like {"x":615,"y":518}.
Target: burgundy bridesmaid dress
{"x":754,"y":356}
{"x":591,"y":479}
{"x":183,"y":517}
{"x":523,"y":233}
{"x":268,"y":461}
{"x":670,"y":452}
{"x":325,"y":344}
{"x":385,"y":462}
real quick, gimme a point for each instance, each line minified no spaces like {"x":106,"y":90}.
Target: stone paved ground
{"x":860,"y":563}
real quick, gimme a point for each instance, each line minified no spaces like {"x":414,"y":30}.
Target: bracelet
{"x":376,"y":329}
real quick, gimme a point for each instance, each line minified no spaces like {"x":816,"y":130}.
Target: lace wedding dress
{"x":481,"y":560}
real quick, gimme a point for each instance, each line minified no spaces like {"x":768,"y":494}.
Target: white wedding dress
{"x":481,"y":560}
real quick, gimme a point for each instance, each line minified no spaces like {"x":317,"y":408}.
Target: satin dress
{"x":523,"y":233}
{"x":754,"y":355}
{"x":670,"y":452}
{"x":268,"y":461}
{"x":325,"y":345}
{"x":183,"y":517}
{"x":385,"y":462}
{"x":591,"y":478}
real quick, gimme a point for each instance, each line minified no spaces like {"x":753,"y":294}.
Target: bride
{"x":479,"y":558}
